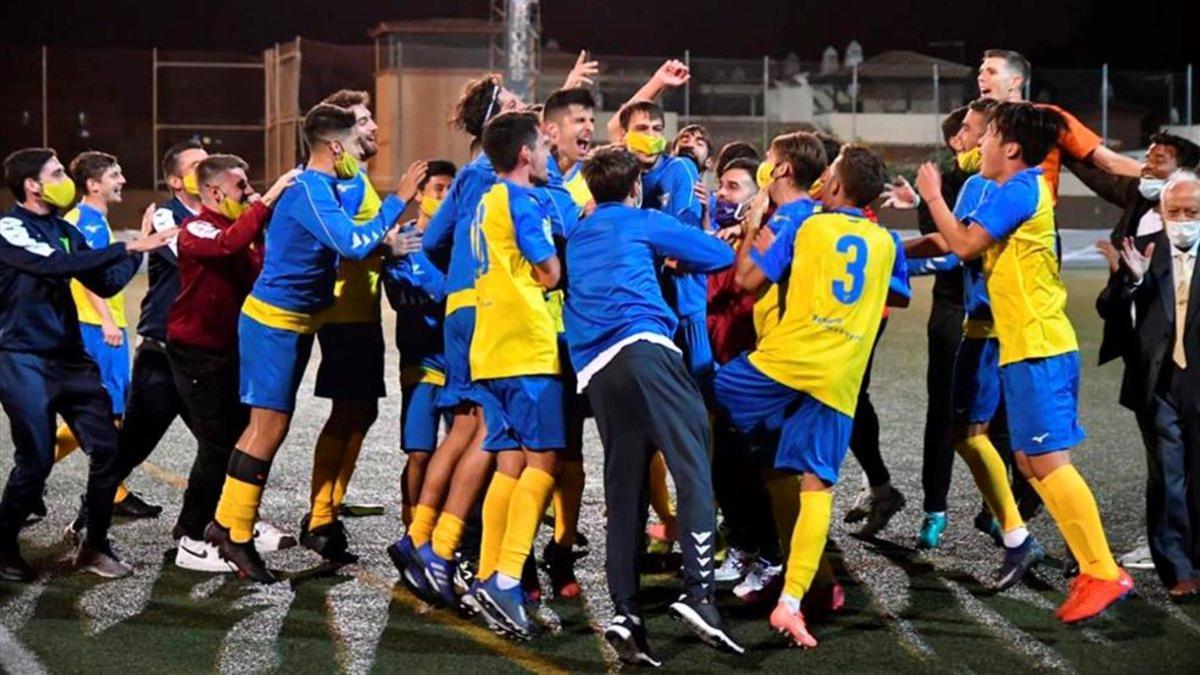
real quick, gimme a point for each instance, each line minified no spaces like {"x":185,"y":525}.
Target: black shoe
{"x":244,"y":557}
{"x":986,"y":523}
{"x":1018,"y":561}
{"x":14,"y":568}
{"x":704,"y":620}
{"x":328,"y":541}
{"x":36,"y":512}
{"x":76,"y":530}
{"x":134,"y":506}
{"x":101,"y":561}
{"x":559,"y":563}
{"x":627,"y":635}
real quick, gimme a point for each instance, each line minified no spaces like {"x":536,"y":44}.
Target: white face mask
{"x":1183,"y":233}
{"x":1151,"y":188}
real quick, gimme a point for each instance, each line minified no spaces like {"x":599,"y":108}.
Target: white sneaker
{"x":268,"y":537}
{"x":759,"y":581}
{"x":1138,"y":559}
{"x":200,"y":556}
{"x":737,"y":563}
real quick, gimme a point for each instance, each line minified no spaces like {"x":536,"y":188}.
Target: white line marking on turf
{"x":1006,"y":633}
{"x":111,"y":602}
{"x":887,"y":585}
{"x":1031,"y":597}
{"x":204,"y":589}
{"x":18,"y":611}
{"x":357,"y":617}
{"x":251,"y":645}
{"x":15,"y":657}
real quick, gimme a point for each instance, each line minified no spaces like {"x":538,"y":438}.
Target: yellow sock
{"x":525,"y":510}
{"x":327,"y":461}
{"x":238,"y":508}
{"x":64,"y":443}
{"x":568,"y":496}
{"x":660,"y":495}
{"x":808,"y":541}
{"x":495,"y":519}
{"x":447,"y":535}
{"x":122,"y":493}
{"x":991,"y":477}
{"x":1079,"y":521}
{"x":782,"y":488}
{"x":424,"y":518}
{"x":349,"y":460}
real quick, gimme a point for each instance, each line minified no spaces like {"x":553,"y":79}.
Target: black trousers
{"x":208,"y":385}
{"x":742,"y":494}
{"x":1172,"y":438}
{"x":944,"y":331}
{"x":864,"y":439}
{"x":33,"y":389}
{"x":154,"y":403}
{"x":645,"y":400}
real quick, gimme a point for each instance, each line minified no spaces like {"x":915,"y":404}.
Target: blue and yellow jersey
{"x":449,"y":231}
{"x":977,"y":322}
{"x":777,"y":260}
{"x":842,"y":268}
{"x":417,"y":291}
{"x":308,"y":234}
{"x":514,"y":330}
{"x":668,"y":186}
{"x":94,"y":227}
{"x":1028,"y":298}
{"x":576,"y":186}
{"x":356,"y":290}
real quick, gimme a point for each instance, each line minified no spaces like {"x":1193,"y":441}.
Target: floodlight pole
{"x":937,"y":127}
{"x":1104,"y":103}
{"x":46,"y":102}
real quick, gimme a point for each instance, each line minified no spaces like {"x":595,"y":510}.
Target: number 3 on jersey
{"x":854,"y":250}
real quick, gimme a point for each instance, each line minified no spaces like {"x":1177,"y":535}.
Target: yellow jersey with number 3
{"x":842,"y":266}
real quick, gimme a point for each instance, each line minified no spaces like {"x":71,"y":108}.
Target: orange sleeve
{"x":1077,"y":140}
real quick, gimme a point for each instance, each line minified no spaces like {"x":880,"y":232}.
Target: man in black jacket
{"x":1156,"y":294}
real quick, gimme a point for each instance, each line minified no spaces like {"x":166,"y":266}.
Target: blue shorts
{"x":976,"y":381}
{"x":458,"y":329}
{"x":527,"y":412}
{"x":813,"y":437}
{"x":692,"y":337}
{"x":1042,"y":396}
{"x":113,"y":363}
{"x":351,"y":361}
{"x":272,"y":362}
{"x":419,"y":417}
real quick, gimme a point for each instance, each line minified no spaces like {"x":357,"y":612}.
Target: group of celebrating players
{"x":551,"y":279}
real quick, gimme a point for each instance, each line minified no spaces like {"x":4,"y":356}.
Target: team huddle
{"x":725,"y":339}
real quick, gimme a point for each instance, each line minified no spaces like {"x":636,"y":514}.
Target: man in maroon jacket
{"x":220,"y":256}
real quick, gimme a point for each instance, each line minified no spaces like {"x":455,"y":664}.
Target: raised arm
{"x":965,"y":241}
{"x":672,"y":73}
{"x":18,"y":249}
{"x":202,"y":240}
{"x":318,"y":211}
{"x":693,"y":249}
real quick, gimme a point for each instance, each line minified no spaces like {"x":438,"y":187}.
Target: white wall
{"x":889,"y":128}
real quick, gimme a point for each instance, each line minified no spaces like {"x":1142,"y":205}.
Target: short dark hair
{"x":746,"y":164}
{"x":610,"y":173}
{"x":325,"y":120}
{"x":952,"y":122}
{"x":170,"y":160}
{"x":652,"y":109}
{"x":1035,"y":129}
{"x":506,"y":134}
{"x":1187,"y":153}
{"x":1014,"y":60}
{"x":833,"y":145}
{"x":559,"y":102}
{"x":22,"y":164}
{"x":735,"y":150}
{"x":862,"y":174}
{"x":90,"y":164}
{"x":215,"y":165}
{"x":983,"y":105}
{"x":805,"y":153}
{"x":477,"y":104}
{"x":347,"y":98}
{"x":437,"y":167}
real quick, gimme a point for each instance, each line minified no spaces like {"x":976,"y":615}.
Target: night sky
{"x":1064,"y":33}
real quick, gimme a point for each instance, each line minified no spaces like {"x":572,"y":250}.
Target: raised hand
{"x":672,"y":73}
{"x":583,"y":73}
{"x":929,"y":182}
{"x":1136,"y":262}
{"x":900,"y":195}
{"x":402,"y":242}
{"x":1110,"y":253}
{"x":282,"y":183}
{"x":153,"y":241}
{"x":148,"y":219}
{"x":407,"y":189}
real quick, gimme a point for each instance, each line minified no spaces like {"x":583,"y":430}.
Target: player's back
{"x":468,"y":189}
{"x":842,"y":268}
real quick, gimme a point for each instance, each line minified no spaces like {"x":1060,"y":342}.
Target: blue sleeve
{"x":918,"y":267}
{"x":429,"y":278}
{"x":562,"y":209}
{"x":681,"y":200}
{"x":317,"y":210}
{"x":1003,"y":209}
{"x":439,"y":233}
{"x":698,"y":251}
{"x":899,"y":281}
{"x":776,"y":261}
{"x":532,"y":226}
{"x":18,"y":249}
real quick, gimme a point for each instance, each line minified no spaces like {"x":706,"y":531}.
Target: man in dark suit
{"x":1156,"y":292}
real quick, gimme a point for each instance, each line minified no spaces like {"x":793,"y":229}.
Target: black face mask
{"x":690,"y":153}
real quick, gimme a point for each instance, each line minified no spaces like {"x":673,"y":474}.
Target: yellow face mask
{"x":429,"y":206}
{"x":59,"y":194}
{"x":970,"y":161}
{"x":190,"y":184}
{"x":763,"y":176}
{"x":346,"y":166}
{"x":647,"y":144}
{"x":231,"y":209}
{"x":814,"y":190}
